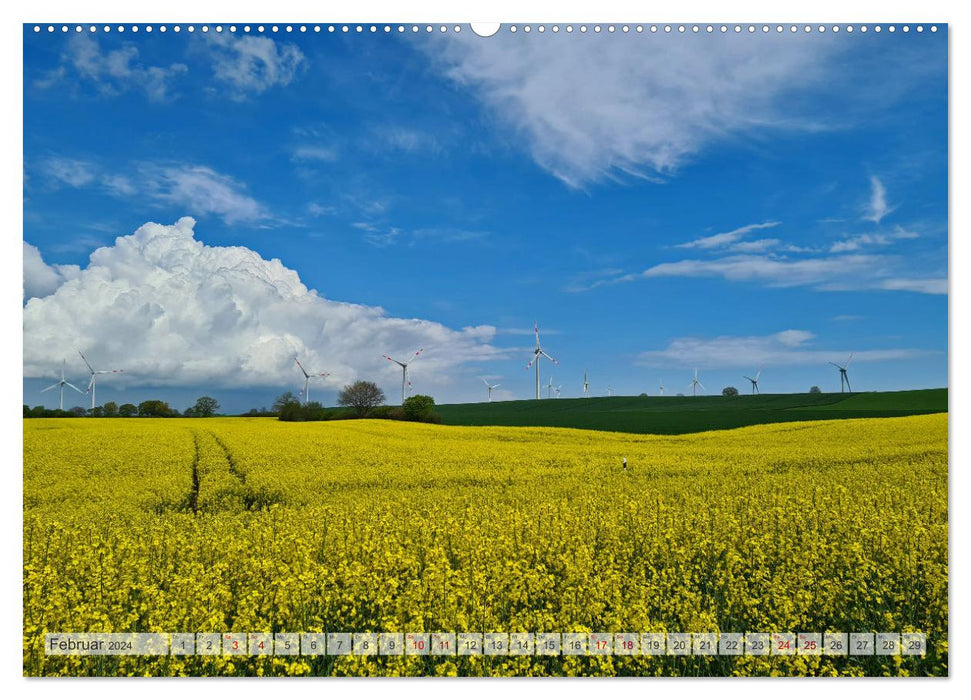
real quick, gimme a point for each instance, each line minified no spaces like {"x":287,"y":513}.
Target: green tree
{"x":284,"y":399}
{"x":77,"y":411}
{"x":362,"y":397}
{"x":815,"y":390}
{"x":154,"y":408}
{"x":418,"y":407}
{"x":205,"y":407}
{"x":96,"y":412}
{"x":127,"y":410}
{"x":729,"y":391}
{"x":111,"y":409}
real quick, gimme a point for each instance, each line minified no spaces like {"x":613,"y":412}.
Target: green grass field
{"x":674,"y":415}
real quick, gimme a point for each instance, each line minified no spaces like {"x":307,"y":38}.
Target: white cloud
{"x":70,"y":171}
{"x":790,"y":347}
{"x":196,"y":188}
{"x":253,"y":64}
{"x":720,"y":240}
{"x":172,"y":311}
{"x":41,"y":279}
{"x":112,"y":72}
{"x":833,"y":273}
{"x":871,"y":239}
{"x":202,"y":191}
{"x":311,"y":152}
{"x":877,"y":207}
{"x":759,"y":246}
{"x":601,"y":107}
{"x":403,"y":138}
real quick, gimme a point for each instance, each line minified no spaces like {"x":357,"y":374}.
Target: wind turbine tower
{"x":844,"y":377}
{"x":489,"y":387}
{"x":586,"y":385}
{"x":404,"y":371}
{"x":537,"y":354}
{"x":62,"y":383}
{"x":661,"y":387}
{"x":755,"y":381}
{"x":94,"y":373}
{"x":695,"y":384}
{"x":307,"y":376}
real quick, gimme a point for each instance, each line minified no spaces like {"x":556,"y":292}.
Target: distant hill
{"x":674,"y":415}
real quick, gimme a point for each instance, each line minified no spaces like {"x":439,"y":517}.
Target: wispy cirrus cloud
{"x":111,"y":72}
{"x":872,"y":239}
{"x":721,"y":240}
{"x":827,"y":273}
{"x":191,"y":187}
{"x":878,"y":207}
{"x":785,"y":348}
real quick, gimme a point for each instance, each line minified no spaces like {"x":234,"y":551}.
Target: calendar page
{"x":516,"y":349}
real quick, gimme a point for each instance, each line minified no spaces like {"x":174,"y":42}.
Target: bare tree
{"x":362,"y":397}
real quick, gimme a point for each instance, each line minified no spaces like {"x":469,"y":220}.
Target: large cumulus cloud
{"x":173,"y":311}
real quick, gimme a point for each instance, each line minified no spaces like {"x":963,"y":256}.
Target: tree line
{"x":204,"y":407}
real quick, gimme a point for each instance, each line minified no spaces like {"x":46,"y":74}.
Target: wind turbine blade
{"x":549,"y":357}
{"x":91,"y":383}
{"x":536,"y":331}
{"x":75,"y":388}
{"x":836,"y":365}
{"x":495,"y":386}
{"x":531,"y":362}
{"x":702,"y":386}
{"x":86,"y":361}
{"x":52,"y":386}
{"x":301,"y":367}
{"x":749,"y":378}
{"x":848,"y":360}
{"x":758,"y":374}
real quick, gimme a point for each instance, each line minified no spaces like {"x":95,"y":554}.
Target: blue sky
{"x":657,"y":202}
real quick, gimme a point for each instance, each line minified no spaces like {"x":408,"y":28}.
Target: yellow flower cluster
{"x":254,"y":525}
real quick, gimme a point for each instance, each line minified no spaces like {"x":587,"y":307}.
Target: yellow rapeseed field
{"x":253,"y":525}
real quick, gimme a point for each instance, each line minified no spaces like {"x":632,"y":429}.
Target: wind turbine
{"x":62,"y":383}
{"x":537,"y":354}
{"x":586,"y":385}
{"x":695,"y":384}
{"x":661,"y":388}
{"x":550,"y":388}
{"x":404,"y":371}
{"x":755,"y":381}
{"x":844,"y":378}
{"x":557,"y":389}
{"x":610,"y":391}
{"x":306,"y":380}
{"x":490,"y":387}
{"x":94,"y":373}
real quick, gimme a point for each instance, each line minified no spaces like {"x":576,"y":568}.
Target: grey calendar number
{"x":365,"y":643}
{"x":391,"y":644}
{"x":469,"y":643}
{"x":757,"y":643}
{"x":520,"y":643}
{"x":182,"y":644}
{"x":887,"y":644}
{"x":574,"y":643}
{"x":495,"y":643}
{"x":705,"y":643}
{"x":209,"y":643}
{"x":835,"y":644}
{"x":913,"y":644}
{"x":286,"y":644}
{"x":653,"y":643}
{"x":731,"y":644}
{"x":861,"y":644}
{"x":313,"y":644}
{"x":339,"y":643}
{"x":548,"y":643}
{"x":679,"y":643}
